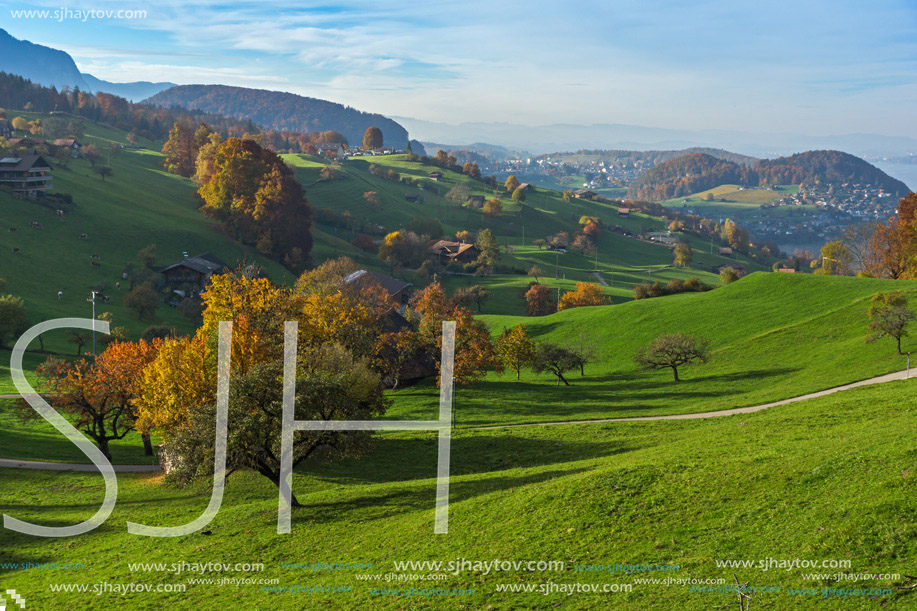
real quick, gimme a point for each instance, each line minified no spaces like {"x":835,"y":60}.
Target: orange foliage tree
{"x":100,"y":395}
{"x":585,"y":294}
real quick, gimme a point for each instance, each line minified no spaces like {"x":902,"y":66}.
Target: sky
{"x":821,"y":67}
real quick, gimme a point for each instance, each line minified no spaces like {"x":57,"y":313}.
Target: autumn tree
{"x":371,"y":198}
{"x":493,"y":207}
{"x":891,"y":250}
{"x":519,"y":194}
{"x":585,"y":294}
{"x":142,"y":300}
{"x":836,"y":259}
{"x":554,"y":359}
{"x":514,"y":349}
{"x":512,"y":183}
{"x":673,"y":350}
{"x":99,"y":396}
{"x":535,"y":272}
{"x":471,"y":169}
{"x":180,"y":150}
{"x":259,"y":200}
{"x":538,"y":300}
{"x":372,"y":139}
{"x":683,"y":254}
{"x":473,"y":348}
{"x":402,"y":248}
{"x":728,"y":275}
{"x":889,"y":316}
{"x":91,"y":153}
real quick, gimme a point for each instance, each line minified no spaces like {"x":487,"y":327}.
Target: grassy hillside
{"x":739,"y":204}
{"x":773,"y":336}
{"x":829,"y":479}
{"x":139,"y":205}
{"x":621,"y":261}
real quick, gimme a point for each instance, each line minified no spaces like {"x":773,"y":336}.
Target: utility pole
{"x":92,"y":300}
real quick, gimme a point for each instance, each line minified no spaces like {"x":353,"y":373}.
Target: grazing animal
{"x":15,"y":250}
{"x":59,"y":212}
{"x":106,"y":299}
{"x":96,"y":264}
{"x":12,"y":229}
{"x":60,"y":294}
{"x":83,"y":236}
{"x":95,"y":256}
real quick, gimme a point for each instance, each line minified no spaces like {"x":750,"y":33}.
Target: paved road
{"x":60,"y":466}
{"x":899,"y":375}
{"x":598,"y":277}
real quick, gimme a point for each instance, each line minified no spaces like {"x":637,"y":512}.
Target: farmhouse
{"x":73,"y":147}
{"x":397,"y":289}
{"x":29,"y":144}
{"x":724,"y":251}
{"x":525,"y":186}
{"x":476,"y":201}
{"x":437,"y":176}
{"x":740,"y":269}
{"x":194,"y":271}
{"x":5,"y":130}
{"x":624,"y":212}
{"x":412,"y":197}
{"x":29,"y":174}
{"x":330,"y":148}
{"x":786,"y":270}
{"x":455,"y":251}
{"x":584,"y":194}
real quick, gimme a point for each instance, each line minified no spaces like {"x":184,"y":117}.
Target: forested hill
{"x":826,"y":167}
{"x":697,"y":172}
{"x":686,"y":175}
{"x":282,"y":111}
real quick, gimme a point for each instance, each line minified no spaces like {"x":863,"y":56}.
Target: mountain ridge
{"x":282,"y":111}
{"x":55,"y":68}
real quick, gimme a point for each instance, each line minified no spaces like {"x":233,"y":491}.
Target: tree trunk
{"x":675,"y":371}
{"x":561,"y":378}
{"x":147,"y":444}
{"x":103,"y":447}
{"x":899,"y":344}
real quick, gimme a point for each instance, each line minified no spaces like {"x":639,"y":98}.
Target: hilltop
{"x":282,"y":111}
{"x":697,"y":172}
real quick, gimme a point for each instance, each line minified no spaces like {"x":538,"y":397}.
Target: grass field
{"x":773,"y":336}
{"x":737,"y":203}
{"x":829,"y":479}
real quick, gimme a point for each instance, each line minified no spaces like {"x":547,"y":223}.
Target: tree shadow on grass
{"x":609,"y":394}
{"x":370,"y":507}
{"x":395,"y":459}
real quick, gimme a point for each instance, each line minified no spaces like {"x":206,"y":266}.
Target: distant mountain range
{"x":698,"y":172}
{"x":570,"y":137}
{"x":282,"y":111}
{"x":55,"y":68}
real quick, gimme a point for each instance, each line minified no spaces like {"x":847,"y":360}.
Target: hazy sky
{"x":816,"y":66}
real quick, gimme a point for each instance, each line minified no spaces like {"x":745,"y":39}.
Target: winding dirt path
{"x":891,"y":377}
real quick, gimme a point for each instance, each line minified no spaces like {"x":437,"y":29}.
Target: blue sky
{"x":815,"y":66}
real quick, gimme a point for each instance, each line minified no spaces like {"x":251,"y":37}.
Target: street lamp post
{"x":92,"y":300}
